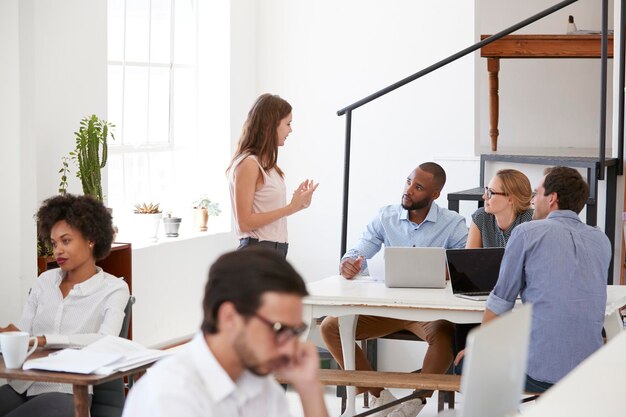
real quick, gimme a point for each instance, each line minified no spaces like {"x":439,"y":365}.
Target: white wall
{"x":324,"y":55}
{"x":53,"y":74}
{"x":14,"y":249}
{"x":168,"y":283}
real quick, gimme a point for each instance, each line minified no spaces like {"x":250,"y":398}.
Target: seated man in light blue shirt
{"x":560,"y":265}
{"x":418,"y":221}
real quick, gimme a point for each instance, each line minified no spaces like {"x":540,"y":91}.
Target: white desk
{"x":346,"y":299}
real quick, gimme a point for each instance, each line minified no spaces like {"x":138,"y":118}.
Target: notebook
{"x":408,"y":267}
{"x":474,"y":272}
{"x":494,"y":367}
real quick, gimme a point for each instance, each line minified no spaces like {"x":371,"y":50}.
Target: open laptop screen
{"x":474,"y":270}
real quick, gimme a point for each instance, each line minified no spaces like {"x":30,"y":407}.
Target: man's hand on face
{"x":302,"y":370}
{"x":350,"y":267}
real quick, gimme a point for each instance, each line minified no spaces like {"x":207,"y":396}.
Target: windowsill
{"x":164,"y":240}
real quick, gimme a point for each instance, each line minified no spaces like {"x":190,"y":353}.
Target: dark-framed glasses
{"x":283,"y":332}
{"x":490,"y":193}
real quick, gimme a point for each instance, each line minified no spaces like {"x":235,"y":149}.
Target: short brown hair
{"x":241,"y":277}
{"x":571,"y":189}
{"x":516,"y":186}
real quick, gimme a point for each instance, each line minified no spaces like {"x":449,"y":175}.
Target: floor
{"x":333,"y":403}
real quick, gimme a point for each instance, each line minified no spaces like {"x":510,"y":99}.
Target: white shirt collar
{"x":90,"y":286}
{"x":216,"y":380}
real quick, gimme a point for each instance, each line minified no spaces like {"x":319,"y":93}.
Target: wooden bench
{"x":444,"y":383}
{"x":417,"y":381}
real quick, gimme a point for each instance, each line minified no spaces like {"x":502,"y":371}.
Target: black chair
{"x":109,"y":398}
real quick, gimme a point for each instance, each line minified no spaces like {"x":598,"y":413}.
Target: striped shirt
{"x":90,"y":310}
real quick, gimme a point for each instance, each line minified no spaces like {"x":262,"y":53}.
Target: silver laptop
{"x":408,"y":267}
{"x":494,"y":368}
{"x":474,"y":272}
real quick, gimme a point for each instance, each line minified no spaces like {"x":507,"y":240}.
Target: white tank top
{"x":271,"y":196}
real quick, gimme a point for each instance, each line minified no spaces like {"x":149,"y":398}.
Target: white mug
{"x":15,"y":348}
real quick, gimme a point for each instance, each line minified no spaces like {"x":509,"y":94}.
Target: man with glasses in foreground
{"x":252,"y":320}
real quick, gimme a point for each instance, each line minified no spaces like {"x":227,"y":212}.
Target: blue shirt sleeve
{"x":458,"y":238}
{"x":511,"y":276}
{"x":370,"y":242}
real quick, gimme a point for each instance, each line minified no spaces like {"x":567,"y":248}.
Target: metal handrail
{"x":456,"y":56}
{"x":603,"y":86}
{"x":620,"y":111}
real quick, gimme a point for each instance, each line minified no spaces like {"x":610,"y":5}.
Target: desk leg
{"x":347,"y":328}
{"x":613,"y":324}
{"x":81,"y":401}
{"x":493,"y":67}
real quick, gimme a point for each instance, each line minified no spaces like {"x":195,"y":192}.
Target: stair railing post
{"x":603,"y":87}
{"x":346,"y":185}
{"x":620,"y":111}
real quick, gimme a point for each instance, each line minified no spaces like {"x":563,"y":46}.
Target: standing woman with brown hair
{"x":257,"y":186}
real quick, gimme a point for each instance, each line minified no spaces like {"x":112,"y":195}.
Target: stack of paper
{"x":103,"y":357}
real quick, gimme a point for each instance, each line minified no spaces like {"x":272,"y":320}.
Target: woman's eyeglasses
{"x":283,"y":332}
{"x":490,"y":193}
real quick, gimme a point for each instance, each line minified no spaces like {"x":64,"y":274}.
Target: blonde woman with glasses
{"x":507,"y":204}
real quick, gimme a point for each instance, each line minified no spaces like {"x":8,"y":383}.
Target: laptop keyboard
{"x":476,"y":293}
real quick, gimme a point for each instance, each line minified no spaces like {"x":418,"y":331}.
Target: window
{"x":161,"y":152}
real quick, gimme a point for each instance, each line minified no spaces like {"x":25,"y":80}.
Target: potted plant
{"x":89,"y":156}
{"x":171,"y":225}
{"x":202,"y":209}
{"x":148,"y":217}
{"x":45,"y":255}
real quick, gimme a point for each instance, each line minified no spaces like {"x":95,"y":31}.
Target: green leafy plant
{"x":64,"y":171}
{"x":147,"y":208}
{"x":204,"y":202}
{"x":44,"y":248}
{"x":89,"y":156}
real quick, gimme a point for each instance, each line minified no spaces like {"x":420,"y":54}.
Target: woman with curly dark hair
{"x":72,"y":305}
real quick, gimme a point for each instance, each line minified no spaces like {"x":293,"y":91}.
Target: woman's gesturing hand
{"x":303,"y":195}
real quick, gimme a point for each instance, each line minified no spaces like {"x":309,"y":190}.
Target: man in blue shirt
{"x":560,"y":265}
{"x":418,"y":221}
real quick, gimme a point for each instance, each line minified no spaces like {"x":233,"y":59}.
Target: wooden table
{"x":80,"y":382}
{"x":346,"y":299}
{"x":533,"y":46}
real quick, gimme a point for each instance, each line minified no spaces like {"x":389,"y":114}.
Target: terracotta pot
{"x":201,"y":218}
